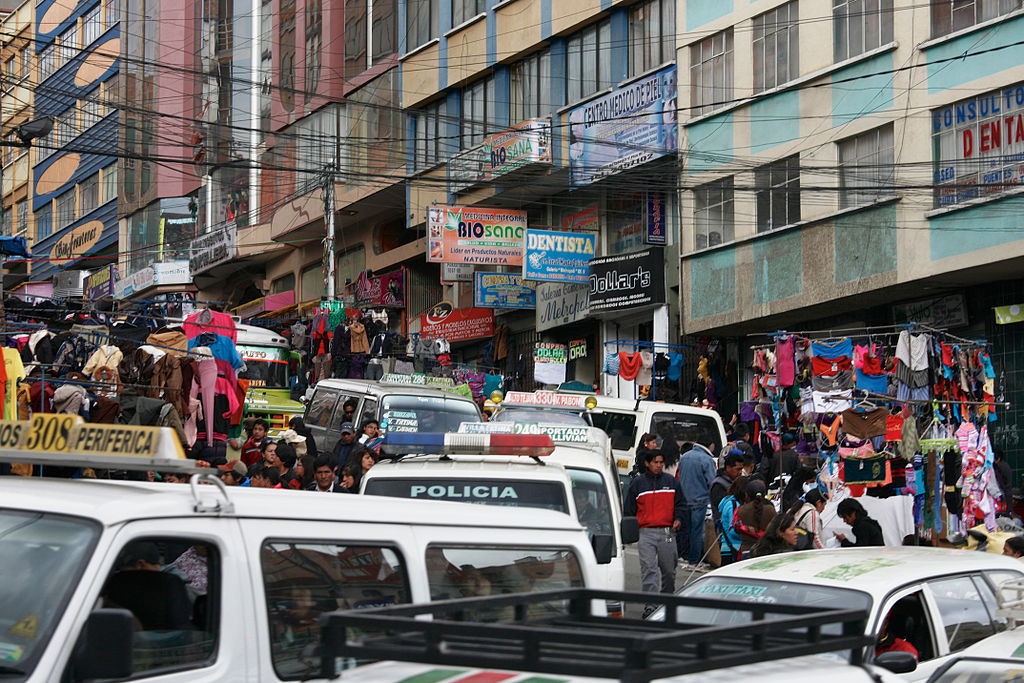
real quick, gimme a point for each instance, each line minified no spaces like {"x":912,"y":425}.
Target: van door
{"x":318,"y":417}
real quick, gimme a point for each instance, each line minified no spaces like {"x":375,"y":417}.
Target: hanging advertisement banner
{"x":585,"y":220}
{"x":382,"y":291}
{"x":561,"y":303}
{"x":627,"y":280}
{"x":468,"y":234}
{"x":558,"y":256}
{"x":461,"y":324}
{"x":523,"y":145}
{"x":627,"y":127}
{"x":504,"y":290}
{"x":101,"y":283}
{"x":656,"y":228}
{"x":211,"y":249}
{"x":549,"y":363}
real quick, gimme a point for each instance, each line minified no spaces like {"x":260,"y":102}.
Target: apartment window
{"x":778,"y":193}
{"x":420,"y":22}
{"x":9,"y":70}
{"x":713,"y":214}
{"x":711,"y":63}
{"x":47,"y":61}
{"x":109,"y":189}
{"x":69,"y":44}
{"x":477,"y":112}
{"x":588,"y":61}
{"x":954,"y":15}
{"x":866,"y":167}
{"x":286,"y":68}
{"x":21,"y":224}
{"x":25,"y":56}
{"x":383,"y":30}
{"x":652,"y":35}
{"x":64,"y":127}
{"x":92,"y":109}
{"x":89,"y":194}
{"x":859,"y":26}
{"x":65,"y":209}
{"x":776,"y":58}
{"x":45,"y":146}
{"x":110,"y":13}
{"x":44,"y":222}
{"x":431,"y":136}
{"x":314,"y":43}
{"x":7,"y":224}
{"x":530,"y":83}
{"x":464,"y":10}
{"x":92,"y":26}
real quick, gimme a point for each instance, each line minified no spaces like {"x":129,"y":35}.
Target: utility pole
{"x":329,"y":260}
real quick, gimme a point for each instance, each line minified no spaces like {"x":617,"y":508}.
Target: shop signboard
{"x":458,"y":325}
{"x":549,"y":361}
{"x":381,"y":291}
{"x":101,"y":283}
{"x":561,"y":303}
{"x":504,"y":290}
{"x":942,"y":311}
{"x":627,"y":127}
{"x":211,"y":249}
{"x":76,"y":243}
{"x":157,"y":274}
{"x":656,"y":227}
{"x":523,"y":145}
{"x":627,"y":281}
{"x":470,"y":234}
{"x":457,"y":272}
{"x":577,"y":349}
{"x":558,"y":256}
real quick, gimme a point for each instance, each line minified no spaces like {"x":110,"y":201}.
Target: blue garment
{"x":726,"y":509}
{"x":675,"y":366}
{"x":690,"y":540}
{"x":611,"y":363}
{"x":221,"y":347}
{"x":493,"y":383}
{"x":987,"y":362}
{"x":696,"y":473}
{"x":876,"y":384}
{"x":833,"y":350}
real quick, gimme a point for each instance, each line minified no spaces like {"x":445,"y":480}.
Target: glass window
{"x":420,"y":23}
{"x":674,"y":430}
{"x":304,"y":579}
{"x":776,"y":58}
{"x":346,"y":411}
{"x":652,"y":35}
{"x":65,"y":209}
{"x":318,"y":414}
{"x":778,"y":193}
{"x":314,"y":43}
{"x":964,"y":616}
{"x":859,"y":26}
{"x":955,"y":15}
{"x":866,"y":167}
{"x":367,"y":412}
{"x":21,"y":219}
{"x":92,"y":26}
{"x":620,"y":427}
{"x":7,"y":223}
{"x":464,"y":10}
{"x":425,"y":413}
{"x":172,"y":588}
{"x":110,"y":12}
{"x":47,"y":61}
{"x":432,"y":142}
{"x":89,"y":194}
{"x":69,"y":46}
{"x":44,"y":221}
{"x":590,"y":496}
{"x":355,"y":38}
{"x":109,"y":183}
{"x":286,"y":66}
{"x":384,"y":33}
{"x":530,"y":85}
{"x":713,"y":214}
{"x":92,"y":108}
{"x":468,"y":571}
{"x":283,"y":284}
{"x":588,"y":61}
{"x":711,"y":65}
{"x":477,"y":112}
{"x":513,"y":413}
{"x":42,"y":557}
{"x":312,"y":282}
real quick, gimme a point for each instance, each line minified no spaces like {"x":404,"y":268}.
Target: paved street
{"x":632,"y":559}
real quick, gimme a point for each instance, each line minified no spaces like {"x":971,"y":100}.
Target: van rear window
{"x":680,"y":429}
{"x":620,"y":427}
{"x":546,"y":495}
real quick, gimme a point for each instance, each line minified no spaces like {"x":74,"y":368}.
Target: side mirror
{"x":104,"y":648}
{"x":604,"y":547}
{"x":629,"y":528}
{"x":897,"y":661}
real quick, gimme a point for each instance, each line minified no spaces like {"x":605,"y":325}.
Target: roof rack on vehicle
{"x":557,"y":632}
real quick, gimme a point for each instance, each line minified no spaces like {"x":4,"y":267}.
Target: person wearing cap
{"x":346,"y":445}
{"x":251,"y":449}
{"x":233,"y":473}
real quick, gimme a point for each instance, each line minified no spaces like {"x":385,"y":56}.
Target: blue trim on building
{"x":453,"y":111}
{"x":545,"y":19}
{"x":978,"y":227}
{"x":102,"y":135}
{"x":491,"y":31}
{"x":774,"y":120}
{"x":444,"y":24}
{"x":557,"y":95}
{"x":705,"y":11}
{"x":713,"y":283}
{"x":711,"y":143}
{"x":868,"y":94}
{"x":502,"y":97}
{"x":619,"y":21}
{"x":961,"y":70}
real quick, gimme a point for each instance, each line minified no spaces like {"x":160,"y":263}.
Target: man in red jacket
{"x":656,"y":499}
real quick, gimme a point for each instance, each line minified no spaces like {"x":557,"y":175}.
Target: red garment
{"x":251,"y":453}
{"x":629,"y":365}
{"x":894,"y":428}
{"x":785,"y":361}
{"x":947,"y":355}
{"x":872,"y":365}
{"x":210,"y":321}
{"x":827,"y":367}
{"x":897,"y":645}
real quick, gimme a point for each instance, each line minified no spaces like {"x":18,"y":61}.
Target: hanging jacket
{"x":106,"y":356}
{"x":72,"y":354}
{"x":171,"y":340}
{"x":136,"y":369}
{"x":220,"y":346}
{"x":357,"y":335}
{"x":68,"y":399}
{"x":207,"y":321}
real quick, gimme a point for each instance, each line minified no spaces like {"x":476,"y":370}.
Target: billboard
{"x":469,"y":234}
{"x":383,"y":291}
{"x":627,"y":127}
{"x":458,"y":325}
{"x":522,"y":145}
{"x":558,"y":256}
{"x":504,"y":290}
{"x":627,"y":280}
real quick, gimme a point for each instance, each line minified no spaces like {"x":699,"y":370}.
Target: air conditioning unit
{"x":69,"y":283}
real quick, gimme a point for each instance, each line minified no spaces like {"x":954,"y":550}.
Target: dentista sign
{"x":627,"y":281}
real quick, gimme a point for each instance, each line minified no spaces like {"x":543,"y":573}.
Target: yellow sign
{"x":49,"y":433}
{"x":76,"y":243}
{"x":114,"y":440}
{"x":26,"y":627}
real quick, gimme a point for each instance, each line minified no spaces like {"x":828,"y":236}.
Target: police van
{"x":624,"y":420}
{"x":554,"y":467}
{"x":202,"y":582}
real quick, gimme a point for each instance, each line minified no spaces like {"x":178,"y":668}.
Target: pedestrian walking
{"x":656,"y":500}
{"x":696,"y":474}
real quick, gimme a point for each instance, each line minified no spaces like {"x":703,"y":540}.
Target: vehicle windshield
{"x":265,"y":366}
{"x":546,"y":415}
{"x":425,"y":414}
{"x":546,"y":495}
{"x":42,"y":557}
{"x":765,"y":592}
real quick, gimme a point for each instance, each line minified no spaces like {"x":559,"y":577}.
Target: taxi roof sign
{"x":566,"y":434}
{"x":56,"y":439}
{"x":545,"y":398}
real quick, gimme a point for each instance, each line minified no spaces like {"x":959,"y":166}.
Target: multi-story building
{"x":853,"y":165}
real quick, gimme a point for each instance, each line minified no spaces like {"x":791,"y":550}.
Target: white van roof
{"x":250,"y":334}
{"x":365,"y":386}
{"x":115,"y":502}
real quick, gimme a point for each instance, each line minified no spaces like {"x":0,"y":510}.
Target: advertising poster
{"x":558,"y":256}
{"x":101,"y":283}
{"x":523,"y":145}
{"x":382,"y":291}
{"x":656,"y":228}
{"x":577,"y":349}
{"x":585,"y":220}
{"x":627,"y":281}
{"x":561,"y":303}
{"x":504,"y":290}
{"x":624,"y":129}
{"x":549,"y":363}
{"x":461,"y":324}
{"x":469,"y":234}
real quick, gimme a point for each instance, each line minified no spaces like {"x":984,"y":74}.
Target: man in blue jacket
{"x":656,"y":500}
{"x":696,"y":474}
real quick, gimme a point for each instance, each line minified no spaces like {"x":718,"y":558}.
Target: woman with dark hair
{"x":867,"y":530}
{"x":752,"y":518}
{"x":304,"y":470}
{"x":807,"y":512}
{"x":731,"y":541}
{"x":301,"y":429}
{"x":780,"y":537}
{"x":795,"y":488}
{"x":1014,"y":547}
